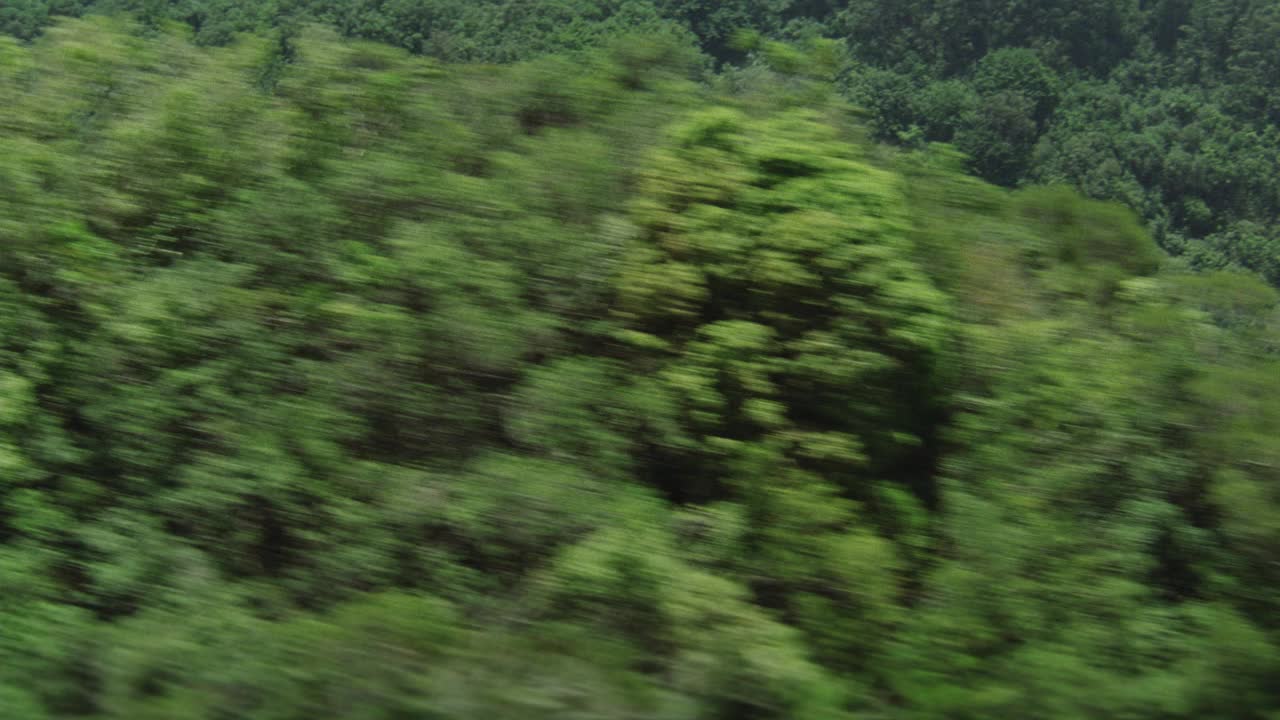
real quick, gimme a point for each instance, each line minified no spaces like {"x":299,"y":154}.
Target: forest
{"x":639,"y":359}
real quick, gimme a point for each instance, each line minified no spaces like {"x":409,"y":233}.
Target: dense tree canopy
{"x":337,"y":381}
{"x":1170,"y":107}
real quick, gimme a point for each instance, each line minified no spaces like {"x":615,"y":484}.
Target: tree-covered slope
{"x":339,"y":383}
{"x":1169,"y":107}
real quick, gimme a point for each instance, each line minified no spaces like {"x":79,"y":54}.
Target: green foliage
{"x":337,"y":382}
{"x":1168,"y":107}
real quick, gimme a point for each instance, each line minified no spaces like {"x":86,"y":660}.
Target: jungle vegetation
{"x":604,"y":360}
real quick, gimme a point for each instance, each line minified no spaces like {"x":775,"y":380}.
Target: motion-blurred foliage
{"x":338,"y":383}
{"x":1171,"y":107}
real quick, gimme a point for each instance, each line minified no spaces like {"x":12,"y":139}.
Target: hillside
{"x":340,"y":382}
{"x":1170,"y":107}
